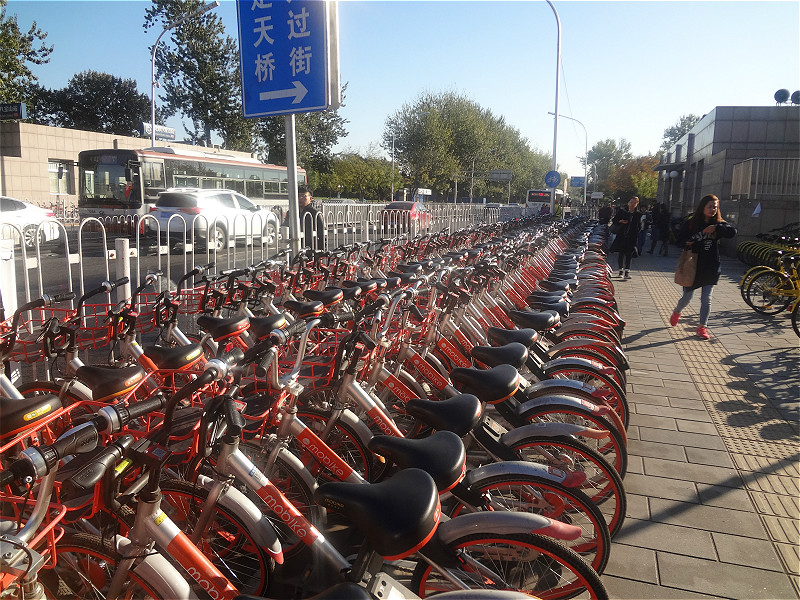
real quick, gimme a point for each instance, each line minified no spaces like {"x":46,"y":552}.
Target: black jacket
{"x":707,"y":248}
{"x":626,"y":239}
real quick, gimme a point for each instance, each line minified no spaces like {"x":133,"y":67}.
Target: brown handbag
{"x":687,"y":268}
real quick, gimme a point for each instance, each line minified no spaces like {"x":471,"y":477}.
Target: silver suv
{"x":218,"y":215}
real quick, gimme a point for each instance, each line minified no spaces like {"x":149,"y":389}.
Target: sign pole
{"x":291,"y":167}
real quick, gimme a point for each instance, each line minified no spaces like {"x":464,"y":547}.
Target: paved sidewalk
{"x":713,"y":482}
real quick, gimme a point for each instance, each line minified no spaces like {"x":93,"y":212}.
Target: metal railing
{"x":759,"y":177}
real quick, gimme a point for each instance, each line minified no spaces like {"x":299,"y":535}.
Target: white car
{"x":220,"y":215}
{"x":27,"y":217}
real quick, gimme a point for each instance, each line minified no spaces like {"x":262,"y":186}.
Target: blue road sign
{"x":552,"y":179}
{"x":283,"y":53}
{"x":576,"y":182}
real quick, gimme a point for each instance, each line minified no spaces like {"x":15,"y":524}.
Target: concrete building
{"x":38,"y":164}
{"x":748,"y":156}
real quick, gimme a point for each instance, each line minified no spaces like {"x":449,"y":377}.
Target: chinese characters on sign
{"x":283,"y":47}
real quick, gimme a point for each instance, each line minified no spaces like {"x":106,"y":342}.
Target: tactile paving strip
{"x":743,"y":418}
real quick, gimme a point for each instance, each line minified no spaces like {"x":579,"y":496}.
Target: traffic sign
{"x":500,"y":175}
{"x":576,"y":182}
{"x":284,"y":56}
{"x":552,"y":179}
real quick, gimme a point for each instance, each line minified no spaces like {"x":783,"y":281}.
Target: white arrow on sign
{"x":299,"y":92}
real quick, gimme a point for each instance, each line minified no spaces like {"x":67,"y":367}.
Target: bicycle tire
{"x":226,"y":540}
{"x":764,"y":293}
{"x":617,"y":399}
{"x":796,"y":318}
{"x":748,"y":277}
{"x":530,"y":563}
{"x":83,"y":569}
{"x":603,"y":484}
{"x":515,"y":492}
{"x":292,"y":485}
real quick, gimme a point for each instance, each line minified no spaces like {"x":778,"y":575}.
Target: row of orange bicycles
{"x":439,"y":416}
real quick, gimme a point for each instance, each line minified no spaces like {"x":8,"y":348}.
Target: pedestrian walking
{"x":309,"y":222}
{"x":646,"y":217}
{"x":660,"y":230}
{"x":701,"y":233}
{"x":626,"y":224}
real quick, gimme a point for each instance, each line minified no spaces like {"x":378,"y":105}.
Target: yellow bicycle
{"x":772,"y":291}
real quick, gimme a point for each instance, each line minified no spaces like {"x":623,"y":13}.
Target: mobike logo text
{"x":208,"y":586}
{"x":320,"y":455}
{"x":385,"y":427}
{"x":463,"y":340}
{"x":398,"y":388}
{"x":429,"y":372}
{"x":293,"y":519}
{"x":451,"y":352}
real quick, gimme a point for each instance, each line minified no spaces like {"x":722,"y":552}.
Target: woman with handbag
{"x":700,"y":235}
{"x":626,"y":225}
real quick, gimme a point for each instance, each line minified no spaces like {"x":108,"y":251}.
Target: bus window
{"x":254,"y":189}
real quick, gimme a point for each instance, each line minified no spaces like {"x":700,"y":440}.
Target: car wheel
{"x":270,"y":235}
{"x":29,"y":237}
{"x":219,"y":241}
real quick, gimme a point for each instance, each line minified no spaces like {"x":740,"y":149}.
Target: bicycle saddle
{"x":459,"y":414}
{"x":327,"y":297}
{"x":539,"y":321}
{"x":179,"y":357}
{"x":514,"y":354}
{"x":405,"y":277}
{"x":109,"y":381}
{"x":23,"y":414}
{"x":304,"y":310}
{"x":220,"y":328}
{"x":261,"y":327}
{"x":365,"y":286}
{"x":348,"y":293}
{"x":397,"y":516}
{"x":490,"y":385}
{"x":500,"y":337}
{"x":414,"y":269}
{"x":441,"y":455}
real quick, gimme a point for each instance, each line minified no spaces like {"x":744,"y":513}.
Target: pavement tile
{"x":686,"y":403}
{"x":628,"y":589}
{"x":692,"y":472}
{"x":656,"y":449}
{"x":727,"y":580}
{"x":690,"y":391}
{"x":703,"y":456}
{"x":677,"y":413}
{"x":661,"y":487}
{"x":776,"y":505}
{"x":696,"y":426}
{"x":635,"y":464}
{"x":656,"y":399}
{"x":667,"y":537}
{"x":790,"y":557}
{"x":746,"y":551}
{"x":643,"y":419}
{"x":710,"y":518}
{"x":632,"y":563}
{"x":783,"y":530}
{"x":673,"y":367}
{"x":724,"y":496}
{"x":637,"y":507}
{"x":696,"y":440}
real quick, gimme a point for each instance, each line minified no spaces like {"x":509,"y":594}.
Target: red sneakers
{"x":702,"y":333}
{"x":673,"y":320}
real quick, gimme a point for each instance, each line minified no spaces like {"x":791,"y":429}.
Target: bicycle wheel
{"x":603,"y":484}
{"x":796,"y":317}
{"x":529,"y":563}
{"x":84,"y":567}
{"x":343,"y":440}
{"x":286,"y":478}
{"x":521,"y":492}
{"x":226,"y":540}
{"x":748,"y":277}
{"x":769,"y":293}
{"x":616,"y":397}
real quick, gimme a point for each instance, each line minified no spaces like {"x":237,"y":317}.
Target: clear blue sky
{"x":630,"y":69}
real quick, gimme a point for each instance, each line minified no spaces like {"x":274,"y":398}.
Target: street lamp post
{"x":585,"y":153}
{"x":391,"y":199}
{"x":197,"y":13}
{"x":555,"y":121}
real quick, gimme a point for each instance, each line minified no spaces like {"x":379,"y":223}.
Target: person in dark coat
{"x":702,"y":232}
{"x":626,"y":222}
{"x":604,"y":214}
{"x":660,"y":231}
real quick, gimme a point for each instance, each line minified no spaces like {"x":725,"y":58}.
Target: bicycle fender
{"x":157,"y":571}
{"x":526,"y":469}
{"x":542,"y":388}
{"x":562,"y":399}
{"x":503,"y":523}
{"x":554,"y":429}
{"x":570,"y":361}
{"x":258,"y":525}
{"x":358,"y":425}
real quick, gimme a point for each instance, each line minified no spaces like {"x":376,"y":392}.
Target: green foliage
{"x":94,"y":101}
{"x":634,"y":177}
{"x":606,"y":156}
{"x":677,"y":131}
{"x":17,"y":51}
{"x":445,"y":139}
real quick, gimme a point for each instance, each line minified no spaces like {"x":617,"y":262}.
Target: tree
{"x":17,"y":50}
{"x":199,"y":69}
{"x":677,"y":131}
{"x":100,"y":102}
{"x":634,"y":177}
{"x":605,"y":156}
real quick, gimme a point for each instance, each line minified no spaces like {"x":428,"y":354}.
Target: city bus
{"x":126,"y":183}
{"x":535,"y":199}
